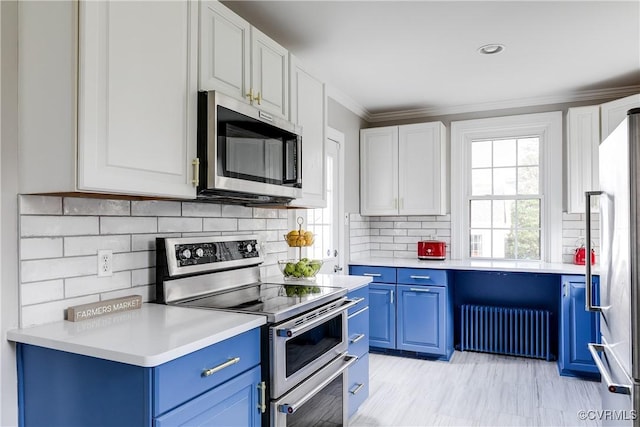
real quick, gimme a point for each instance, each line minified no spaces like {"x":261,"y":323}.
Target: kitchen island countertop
{"x":478,"y":265}
{"x":147,"y":337}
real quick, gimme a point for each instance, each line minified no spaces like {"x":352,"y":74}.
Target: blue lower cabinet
{"x":578,"y":328}
{"x":421,"y":319}
{"x":358,"y":389}
{"x":233,"y":403}
{"x":58,"y":388}
{"x":382,"y":315}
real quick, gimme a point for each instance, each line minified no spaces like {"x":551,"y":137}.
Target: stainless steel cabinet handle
{"x":293,"y":407}
{"x":588,"y":286}
{"x":372,"y":274}
{"x":211,"y":371}
{"x":391,"y":297}
{"x":356,"y":389}
{"x":420,"y":277}
{"x":358,"y":337}
{"x":262,"y":404}
{"x":292,"y":332}
{"x":420,"y":289}
{"x":196,"y":172}
{"x":359,"y":300}
{"x":606,"y":376}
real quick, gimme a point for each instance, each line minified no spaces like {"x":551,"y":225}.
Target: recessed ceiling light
{"x":491,"y":49}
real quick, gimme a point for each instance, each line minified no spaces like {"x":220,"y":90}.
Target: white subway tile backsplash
{"x":276,"y":224}
{"x":155,"y":208}
{"x":393,"y":232}
{"x":40,"y":205}
{"x":134,"y":260}
{"x":40,"y":226}
{"x":407,"y":224}
{"x":265,"y":213}
{"x":88,"y":285}
{"x":147,"y":242}
{"x":128,"y":225}
{"x":201,"y":209}
{"x":39,"y":292}
{"x":56,"y":268}
{"x":89,"y":245}
{"x":80,"y":206}
{"x":251,"y":224}
{"x":220,"y":224}
{"x":436,"y":225}
{"x":380,"y":239}
{"x":51,"y":311}
{"x":44,"y":247}
{"x":383,"y":224}
{"x":143,"y":276}
{"x":148,"y":293}
{"x":235,"y":211}
{"x":172,"y":225}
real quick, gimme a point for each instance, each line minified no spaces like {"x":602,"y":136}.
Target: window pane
{"x":480,"y":154}
{"x":503,"y":213}
{"x":528,"y":180}
{"x":504,"y":152}
{"x":480,"y":243}
{"x":503,"y":244}
{"x":528,"y":213}
{"x":529,"y":244}
{"x":529,"y":151}
{"x":504,"y":181}
{"x":480,"y":182}
{"x":480,"y":214}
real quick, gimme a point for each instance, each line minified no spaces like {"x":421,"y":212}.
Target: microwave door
{"x":293,"y":161}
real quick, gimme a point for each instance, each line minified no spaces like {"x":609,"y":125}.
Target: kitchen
{"x":59,"y":235}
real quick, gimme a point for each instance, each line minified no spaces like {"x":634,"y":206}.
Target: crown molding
{"x":347,"y":102}
{"x":587,"y":95}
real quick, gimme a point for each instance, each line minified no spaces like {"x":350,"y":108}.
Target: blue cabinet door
{"x":421,"y":319}
{"x":234,"y":403}
{"x":382,"y":315}
{"x":578,"y":328}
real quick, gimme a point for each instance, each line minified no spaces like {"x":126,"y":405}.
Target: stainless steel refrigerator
{"x":618,"y":354}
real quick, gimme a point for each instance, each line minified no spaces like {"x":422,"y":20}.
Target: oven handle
{"x":290,"y":408}
{"x":292,"y":332}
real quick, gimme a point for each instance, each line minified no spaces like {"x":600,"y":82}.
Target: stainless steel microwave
{"x":246,"y":156}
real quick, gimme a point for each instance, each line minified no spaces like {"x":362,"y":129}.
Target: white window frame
{"x":547,"y":127}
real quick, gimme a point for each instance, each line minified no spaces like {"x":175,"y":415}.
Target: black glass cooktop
{"x":276,"y":301}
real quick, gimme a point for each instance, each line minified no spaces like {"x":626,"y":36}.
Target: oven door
{"x":320,"y":400}
{"x":302,"y":345}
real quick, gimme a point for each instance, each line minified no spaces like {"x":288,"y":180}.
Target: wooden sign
{"x":95,"y":309}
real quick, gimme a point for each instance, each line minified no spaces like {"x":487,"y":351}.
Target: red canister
{"x":580,"y":256}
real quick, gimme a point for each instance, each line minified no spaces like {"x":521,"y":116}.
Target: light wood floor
{"x":473,"y":389}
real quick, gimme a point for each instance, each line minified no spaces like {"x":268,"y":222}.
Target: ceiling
{"x":401,"y":59}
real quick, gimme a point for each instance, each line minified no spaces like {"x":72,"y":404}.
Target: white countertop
{"x":335,"y":280}
{"x":480,"y":265}
{"x":149,"y":336}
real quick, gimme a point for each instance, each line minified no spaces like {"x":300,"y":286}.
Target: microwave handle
{"x":299,"y":161}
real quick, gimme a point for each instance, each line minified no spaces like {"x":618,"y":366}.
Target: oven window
{"x":322,"y":410}
{"x":310,"y":345}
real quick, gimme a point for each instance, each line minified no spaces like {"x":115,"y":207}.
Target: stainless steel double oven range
{"x":304,"y":343}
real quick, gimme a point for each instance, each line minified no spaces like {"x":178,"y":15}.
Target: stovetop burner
{"x":276,"y":301}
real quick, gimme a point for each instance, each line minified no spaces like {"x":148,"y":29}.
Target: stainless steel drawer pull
{"x":594,"y":349}
{"x":420,"y":290}
{"x":356,"y":389}
{"x":359,"y":300}
{"x":420,"y":277}
{"x":372,"y":274}
{"x":358,"y":337}
{"x":211,"y":371}
{"x":262,"y":405}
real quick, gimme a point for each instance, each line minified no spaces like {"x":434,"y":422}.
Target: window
{"x":507,"y":195}
{"x":320,"y":221}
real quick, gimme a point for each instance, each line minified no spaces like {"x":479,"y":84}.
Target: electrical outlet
{"x":105,"y":263}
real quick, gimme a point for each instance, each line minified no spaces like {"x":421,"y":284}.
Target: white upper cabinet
{"x":241,"y":61}
{"x":613,"y":113}
{"x":308,"y":110}
{"x":225,"y":51}
{"x":583,"y":139}
{"x":379,"y":171}
{"x":109,"y":97}
{"x":403,"y":170}
{"x":422,"y":171}
{"x":137,"y":97}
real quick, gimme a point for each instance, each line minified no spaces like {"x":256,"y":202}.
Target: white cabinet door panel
{"x":225,"y":52}
{"x":137,"y":97}
{"x":613,"y":113}
{"x":379,"y":171}
{"x":583,"y":139}
{"x":269,"y":74}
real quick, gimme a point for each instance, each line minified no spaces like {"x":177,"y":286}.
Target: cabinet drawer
{"x":359,"y":332}
{"x":183,"y":378}
{"x":358,"y":389}
{"x":422,"y":276}
{"x":359,"y":294}
{"x":378,"y":274}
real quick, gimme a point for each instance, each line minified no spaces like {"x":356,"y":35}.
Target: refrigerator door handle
{"x":594,"y":349}
{"x":588,"y":288}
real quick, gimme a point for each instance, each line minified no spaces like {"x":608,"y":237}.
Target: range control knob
{"x":249,"y":247}
{"x":185,"y":254}
{"x":199,"y":252}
